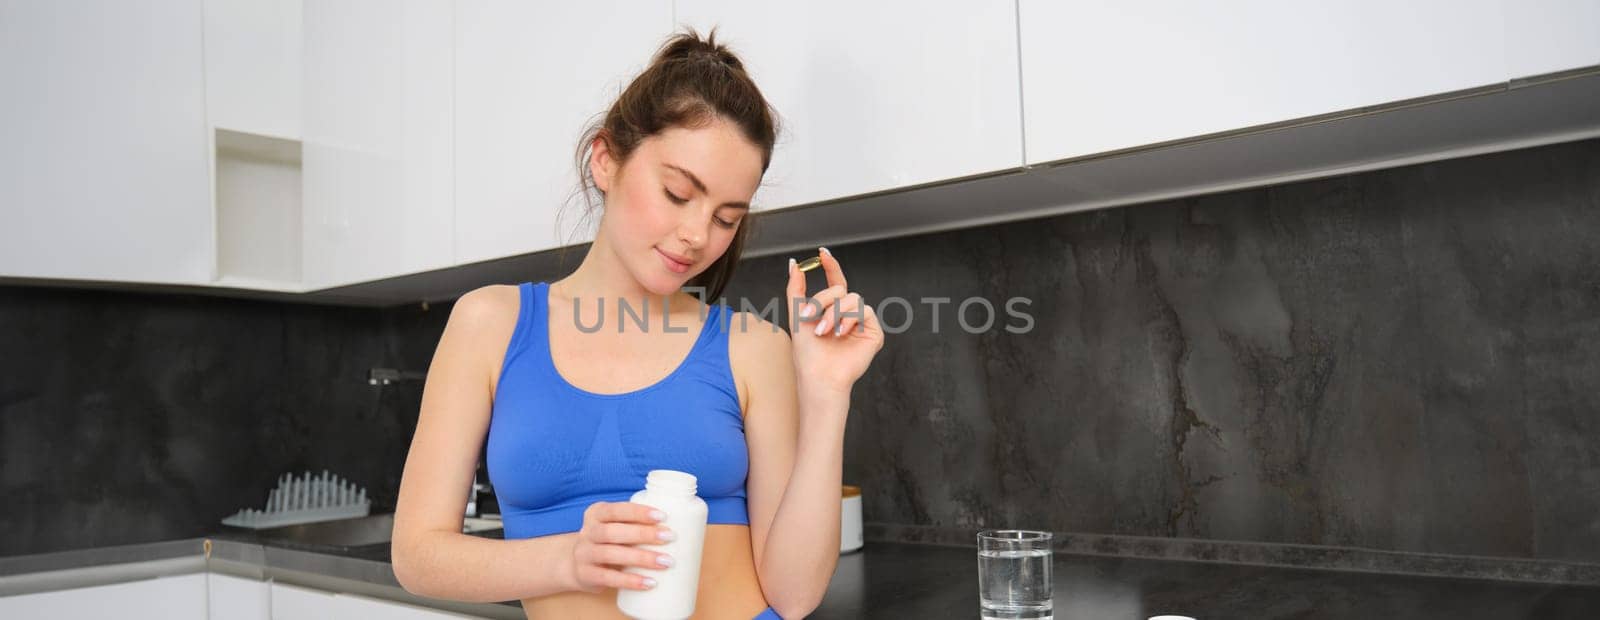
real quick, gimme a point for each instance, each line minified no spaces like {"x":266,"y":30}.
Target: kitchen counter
{"x":888,"y":580}
{"x":363,"y":570}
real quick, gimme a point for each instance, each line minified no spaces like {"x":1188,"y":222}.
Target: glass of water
{"x":1014,"y":574}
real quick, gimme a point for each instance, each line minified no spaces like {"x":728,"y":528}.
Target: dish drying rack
{"x":305,"y":500}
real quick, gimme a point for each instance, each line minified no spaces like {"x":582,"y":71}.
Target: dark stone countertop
{"x":896,"y":580}
{"x":903,"y":580}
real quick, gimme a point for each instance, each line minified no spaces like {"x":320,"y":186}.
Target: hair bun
{"x":687,"y":46}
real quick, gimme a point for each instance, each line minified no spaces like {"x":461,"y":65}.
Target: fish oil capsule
{"x":810,"y":263}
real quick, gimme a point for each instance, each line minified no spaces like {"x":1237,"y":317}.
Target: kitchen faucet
{"x":385,"y":376}
{"x":479,"y":485}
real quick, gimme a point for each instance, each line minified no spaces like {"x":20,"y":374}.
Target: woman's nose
{"x":693,"y":229}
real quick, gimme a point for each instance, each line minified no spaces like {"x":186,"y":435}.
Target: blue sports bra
{"x":554,"y":448}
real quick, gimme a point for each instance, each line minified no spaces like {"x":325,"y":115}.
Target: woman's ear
{"x":601,"y":164}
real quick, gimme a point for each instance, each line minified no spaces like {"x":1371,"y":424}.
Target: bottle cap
{"x":668,"y":479}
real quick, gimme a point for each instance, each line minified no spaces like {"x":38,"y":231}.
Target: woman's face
{"x":675,"y":206}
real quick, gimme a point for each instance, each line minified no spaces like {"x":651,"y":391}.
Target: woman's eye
{"x":674,"y":198}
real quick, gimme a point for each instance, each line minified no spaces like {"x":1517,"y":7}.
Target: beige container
{"x":850,"y":520}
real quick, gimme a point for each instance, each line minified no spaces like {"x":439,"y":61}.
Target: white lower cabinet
{"x":294,"y":602}
{"x":237,"y":598}
{"x":299,"y":603}
{"x":164,"y":598}
{"x":207,"y":596}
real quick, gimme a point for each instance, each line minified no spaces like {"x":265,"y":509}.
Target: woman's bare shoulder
{"x":489,"y":302}
{"x":486,"y":318}
{"x":757,"y":348}
{"x":749,"y":333}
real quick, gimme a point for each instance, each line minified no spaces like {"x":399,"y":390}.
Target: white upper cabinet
{"x":254,"y":57}
{"x":103,"y":165}
{"x":875,"y":95}
{"x":376,"y":159}
{"x":1545,"y":36}
{"x":529,"y":77}
{"x":253,"y":66}
{"x":1102,"y":75}
{"x":295,"y":145}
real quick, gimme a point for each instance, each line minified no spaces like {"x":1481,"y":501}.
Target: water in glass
{"x":1014,"y":575}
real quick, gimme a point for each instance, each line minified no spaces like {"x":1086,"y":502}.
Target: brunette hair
{"x":690,"y":83}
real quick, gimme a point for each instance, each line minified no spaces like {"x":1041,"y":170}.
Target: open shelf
{"x":258,"y":208}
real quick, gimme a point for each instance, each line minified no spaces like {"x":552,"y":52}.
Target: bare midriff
{"x":728,"y":590}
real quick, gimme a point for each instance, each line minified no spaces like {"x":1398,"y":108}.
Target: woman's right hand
{"x":604,"y":546}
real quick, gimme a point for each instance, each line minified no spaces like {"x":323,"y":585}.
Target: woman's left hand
{"x":831,"y":349}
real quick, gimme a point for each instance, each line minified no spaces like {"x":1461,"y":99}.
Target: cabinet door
{"x":166,"y":598}
{"x":237,"y":598}
{"x":529,"y":76}
{"x":300,"y":603}
{"x":103,"y":166}
{"x":353,"y":606}
{"x":876,"y":95}
{"x":253,"y":66}
{"x":376,"y":158}
{"x":1102,"y":75}
{"x":297,"y":603}
{"x":1551,"y":35}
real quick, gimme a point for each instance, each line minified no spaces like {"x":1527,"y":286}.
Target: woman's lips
{"x":672,"y":264}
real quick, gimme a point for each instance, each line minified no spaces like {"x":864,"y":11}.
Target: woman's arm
{"x":799,"y":400}
{"x":458,"y":567}
{"x":430,"y":554}
{"x":796,"y":458}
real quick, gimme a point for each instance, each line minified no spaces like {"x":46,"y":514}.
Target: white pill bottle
{"x":672,"y":492}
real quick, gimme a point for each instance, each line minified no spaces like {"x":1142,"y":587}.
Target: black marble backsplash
{"x":128,"y":418}
{"x":1403,"y":360}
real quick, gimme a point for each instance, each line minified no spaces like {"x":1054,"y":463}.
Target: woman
{"x":573,"y":417}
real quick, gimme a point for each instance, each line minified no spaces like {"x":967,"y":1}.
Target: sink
{"x":356,"y":532}
{"x":473,"y":525}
